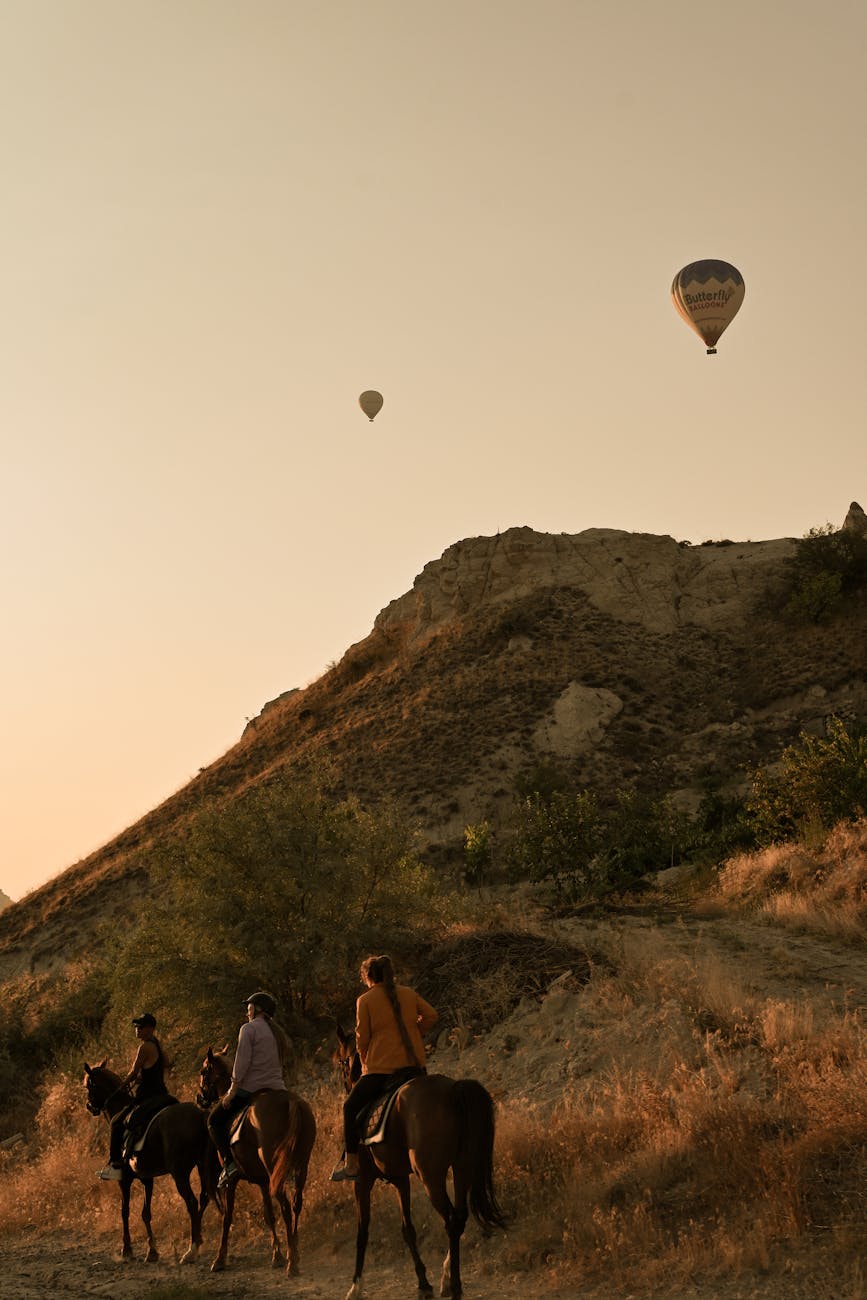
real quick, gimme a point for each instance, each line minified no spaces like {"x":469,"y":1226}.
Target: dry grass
{"x":716,"y":1126}
{"x":664,"y":1123}
{"x":821,"y":890}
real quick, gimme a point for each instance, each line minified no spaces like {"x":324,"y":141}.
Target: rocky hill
{"x":619,"y":658}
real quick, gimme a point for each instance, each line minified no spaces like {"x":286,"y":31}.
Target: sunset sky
{"x":221,"y":221}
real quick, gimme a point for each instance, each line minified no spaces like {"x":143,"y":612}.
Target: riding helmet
{"x":263,"y":1001}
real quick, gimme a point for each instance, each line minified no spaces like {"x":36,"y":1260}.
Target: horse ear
{"x":100,"y":1065}
{"x":210,"y":1057}
{"x":224,"y":1051}
{"x":342,"y":1038}
{"x":86,"y":1068}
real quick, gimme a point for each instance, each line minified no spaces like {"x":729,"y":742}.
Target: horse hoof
{"x":277,"y":1261}
{"x":218,"y":1266}
{"x":190,"y":1256}
{"x":152,"y":1256}
{"x":355,"y":1292}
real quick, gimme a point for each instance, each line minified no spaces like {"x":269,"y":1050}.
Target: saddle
{"x":139,"y":1122}
{"x":238,"y":1120}
{"x":373,"y":1119}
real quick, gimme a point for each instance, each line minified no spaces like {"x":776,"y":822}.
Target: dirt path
{"x":83,"y":1261}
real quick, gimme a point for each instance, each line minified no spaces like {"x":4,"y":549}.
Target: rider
{"x":259,"y":1062}
{"x":389,"y":1022}
{"x":147,"y":1073}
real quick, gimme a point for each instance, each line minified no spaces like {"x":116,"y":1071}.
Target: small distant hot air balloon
{"x":370,"y":403}
{"x":708,"y":295}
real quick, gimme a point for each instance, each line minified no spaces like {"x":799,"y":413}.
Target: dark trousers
{"x":366,"y":1090}
{"x":118,"y":1129}
{"x":368,"y":1087}
{"x":220,"y":1121}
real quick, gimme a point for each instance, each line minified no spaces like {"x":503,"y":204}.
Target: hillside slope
{"x":621,"y":658}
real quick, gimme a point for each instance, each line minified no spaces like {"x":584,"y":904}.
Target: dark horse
{"x":274,"y":1141}
{"x":437,"y":1124}
{"x":177,"y":1142}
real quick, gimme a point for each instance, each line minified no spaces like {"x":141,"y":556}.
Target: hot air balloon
{"x":370,"y":403}
{"x":707,"y":295}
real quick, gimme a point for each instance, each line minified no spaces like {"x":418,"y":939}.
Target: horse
{"x":437,"y":1124}
{"x":275,"y":1140}
{"x":177,"y":1142}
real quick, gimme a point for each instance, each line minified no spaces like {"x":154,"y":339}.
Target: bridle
{"x":93,"y":1104}
{"x":209,"y":1084}
{"x":349,"y":1064}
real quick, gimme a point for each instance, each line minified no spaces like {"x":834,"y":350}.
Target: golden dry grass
{"x":683,"y":1117}
{"x":820,"y":890}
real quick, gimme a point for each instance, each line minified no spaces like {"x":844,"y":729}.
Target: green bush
{"x":822,"y":780}
{"x":828,"y":566}
{"x":283,"y":889}
{"x":586,"y":851}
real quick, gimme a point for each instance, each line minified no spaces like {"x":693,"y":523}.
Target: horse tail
{"x":476,"y":1111}
{"x":293,"y":1150}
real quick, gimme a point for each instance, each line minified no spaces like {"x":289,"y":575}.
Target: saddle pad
{"x":375,"y":1117}
{"x":138,"y":1142}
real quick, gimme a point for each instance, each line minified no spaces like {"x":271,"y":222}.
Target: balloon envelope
{"x":370,"y":403}
{"x":708,"y":295}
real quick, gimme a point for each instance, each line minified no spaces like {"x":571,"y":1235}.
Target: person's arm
{"x":426,"y":1017}
{"x":243,"y":1057}
{"x":362,"y":1029}
{"x":146,"y":1055}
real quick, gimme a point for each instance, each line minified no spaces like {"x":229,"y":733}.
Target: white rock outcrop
{"x":635,"y":577}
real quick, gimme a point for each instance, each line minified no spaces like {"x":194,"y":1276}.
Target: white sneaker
{"x":111,"y":1174}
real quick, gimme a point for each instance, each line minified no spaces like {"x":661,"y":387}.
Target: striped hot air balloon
{"x":708,"y":295}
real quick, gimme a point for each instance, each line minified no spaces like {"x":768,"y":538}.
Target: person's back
{"x":380,"y":1042}
{"x":257,"y":1060}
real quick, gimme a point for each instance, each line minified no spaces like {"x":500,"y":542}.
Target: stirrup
{"x":111,"y":1173}
{"x":340,"y":1174}
{"x":229,"y":1171}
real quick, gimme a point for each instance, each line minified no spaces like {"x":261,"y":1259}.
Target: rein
{"x":213,"y":1083}
{"x":103,"y":1107}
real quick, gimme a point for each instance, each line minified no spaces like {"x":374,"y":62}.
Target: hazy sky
{"x":222,"y":220}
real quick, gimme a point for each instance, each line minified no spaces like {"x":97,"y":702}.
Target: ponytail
{"x":281,"y":1037}
{"x":381,"y":971}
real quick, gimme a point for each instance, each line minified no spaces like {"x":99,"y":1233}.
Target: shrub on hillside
{"x":821,"y":780}
{"x":283,"y":889}
{"x":828,"y":566}
{"x":585,"y":850}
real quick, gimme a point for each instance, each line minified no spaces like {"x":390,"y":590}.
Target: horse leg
{"x":277,"y":1260}
{"x":185,"y":1191}
{"x":408,"y":1231}
{"x":363,"y":1185}
{"x":153,"y":1255}
{"x":455,"y":1220}
{"x":125,"y":1185}
{"x":228,"y":1210}
{"x":291,"y":1211}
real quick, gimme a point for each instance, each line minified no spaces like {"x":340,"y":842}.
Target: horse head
{"x":215,"y":1076}
{"x":346,"y":1058}
{"x":101,"y":1085}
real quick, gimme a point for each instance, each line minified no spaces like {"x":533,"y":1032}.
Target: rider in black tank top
{"x":151,"y":1080}
{"x":149,"y":1083}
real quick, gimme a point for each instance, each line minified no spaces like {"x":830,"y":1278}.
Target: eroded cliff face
{"x":636,"y":578}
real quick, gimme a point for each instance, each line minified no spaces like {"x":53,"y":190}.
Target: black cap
{"x":145,"y":1019}
{"x":263,"y":1001}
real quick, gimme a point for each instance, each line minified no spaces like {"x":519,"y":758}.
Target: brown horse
{"x":177,"y":1142}
{"x":274,"y":1141}
{"x":437,"y":1124}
